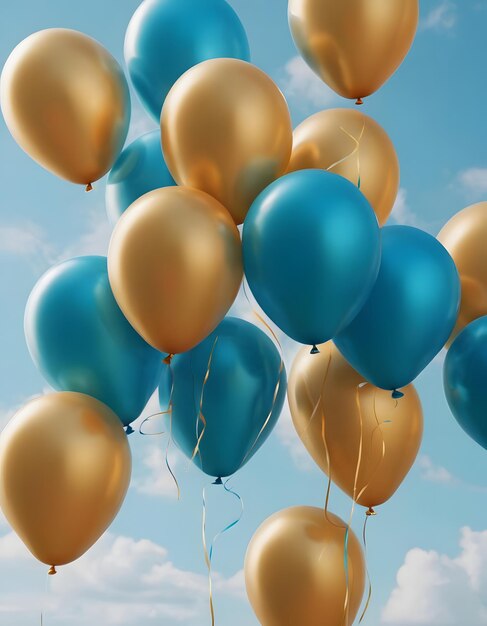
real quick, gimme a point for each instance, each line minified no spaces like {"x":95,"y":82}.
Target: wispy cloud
{"x":434,"y":473}
{"x":474,"y":181}
{"x":304,"y":88}
{"x":28,"y":240}
{"x":402,"y":212}
{"x":442,"y":17}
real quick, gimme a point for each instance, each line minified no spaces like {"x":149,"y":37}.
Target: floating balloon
{"x":464,"y":376}
{"x":167,"y":37}
{"x":465,"y":238}
{"x":139,"y":169}
{"x":80,"y":340}
{"x":175,"y":266}
{"x":227,"y":396}
{"x":311,"y":253}
{"x":65,"y":468}
{"x":66,"y":102}
{"x":346,"y":142}
{"x":357,"y":434}
{"x":295,"y":570}
{"x":410,"y":313}
{"x":226,"y":130}
{"x":353,"y":45}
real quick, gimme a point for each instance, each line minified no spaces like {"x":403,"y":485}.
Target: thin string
{"x":201,"y":418}
{"x":369,"y":580}
{"x":356,"y":151}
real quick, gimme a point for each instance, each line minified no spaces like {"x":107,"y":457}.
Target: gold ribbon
{"x":356,"y":151}
{"x":201,"y":418}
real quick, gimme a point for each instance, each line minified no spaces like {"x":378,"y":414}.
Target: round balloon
{"x":139,"y":169}
{"x":311,"y":247}
{"x":65,"y":468}
{"x":357,"y":434}
{"x":227,"y":395}
{"x":226,"y":130}
{"x":300,"y":570}
{"x":175,"y":266}
{"x":353,"y":45}
{"x":167,"y":37}
{"x":47,"y":99}
{"x":80,"y":340}
{"x":464,"y":376}
{"x":346,"y":142}
{"x":410,"y":312}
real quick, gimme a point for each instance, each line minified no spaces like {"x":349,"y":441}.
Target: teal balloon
{"x":410,"y":313}
{"x":80,"y":340}
{"x":140,"y":168}
{"x":165,"y":38}
{"x":243,"y":369}
{"x":311,"y":246}
{"x":465,"y":378}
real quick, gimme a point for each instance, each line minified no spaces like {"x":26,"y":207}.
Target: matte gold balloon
{"x":465,"y":238}
{"x":346,"y":142}
{"x":65,"y":468}
{"x":363,"y":427}
{"x":175,"y":266}
{"x":295,"y":570}
{"x":226,"y":130}
{"x":66,"y":102}
{"x":353,"y":45}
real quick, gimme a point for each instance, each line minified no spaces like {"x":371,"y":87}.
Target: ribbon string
{"x":201,"y":418}
{"x":356,"y":151}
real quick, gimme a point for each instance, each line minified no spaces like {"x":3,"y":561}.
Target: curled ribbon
{"x":356,"y":151}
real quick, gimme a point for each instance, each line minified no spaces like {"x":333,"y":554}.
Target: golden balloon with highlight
{"x":226,"y":130}
{"x":361,"y":437}
{"x":65,"y":468}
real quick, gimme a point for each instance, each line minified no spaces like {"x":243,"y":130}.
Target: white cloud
{"x":93,"y":241}
{"x":288,"y":437}
{"x":402,"y":212}
{"x":140,"y":123}
{"x":28,"y":240}
{"x":431,"y":472}
{"x":474,"y":181}
{"x":441,"y":17}
{"x":304,"y":87}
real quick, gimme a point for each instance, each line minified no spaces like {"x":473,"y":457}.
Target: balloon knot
{"x":168,"y":359}
{"x":218,"y":481}
{"x":359,"y":102}
{"x":129,"y":430}
{"x":314,"y":350}
{"x":370,"y":512}
{"x":396,"y":394}
{"x":52,"y":571}
{"x":89,"y":187}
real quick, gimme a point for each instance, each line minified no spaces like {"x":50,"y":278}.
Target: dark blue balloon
{"x":165,"y":38}
{"x":80,"y":340}
{"x":237,"y":398}
{"x":465,"y":380}
{"x":410,"y":313}
{"x":311,"y":247}
{"x":139,"y":169}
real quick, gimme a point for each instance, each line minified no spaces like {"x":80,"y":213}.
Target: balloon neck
{"x":168,"y":359}
{"x":314,"y":350}
{"x":52,"y":571}
{"x":359,"y":102}
{"x":218,"y":481}
{"x":370,"y":512}
{"x":397,"y":395}
{"x":129,"y":430}
{"x":89,"y":187}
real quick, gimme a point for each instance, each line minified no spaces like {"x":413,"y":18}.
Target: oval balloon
{"x":165,"y":38}
{"x":357,"y":434}
{"x":355,"y":45}
{"x":346,"y":142}
{"x":311,"y":253}
{"x":464,"y":237}
{"x":65,"y":467}
{"x":295,"y":570}
{"x":139,"y":169}
{"x":227,"y":396}
{"x":47,"y":89}
{"x":80,"y":340}
{"x":410,"y":312}
{"x":175,"y":266}
{"x":464,"y":377}
{"x":226,"y":130}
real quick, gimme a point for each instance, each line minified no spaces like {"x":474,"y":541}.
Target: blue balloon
{"x":410,"y":313}
{"x":139,"y":169}
{"x":80,"y":340}
{"x":311,"y":247}
{"x":165,"y":38}
{"x":465,"y":377}
{"x":238,"y":396}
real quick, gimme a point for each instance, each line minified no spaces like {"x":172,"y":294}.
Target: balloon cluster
{"x":319,"y":261}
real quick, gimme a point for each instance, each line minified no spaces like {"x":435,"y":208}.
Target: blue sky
{"x":428,"y":546}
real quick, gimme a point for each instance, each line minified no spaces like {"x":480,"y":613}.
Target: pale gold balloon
{"x":65,"y":468}
{"x":175,"y":266}
{"x":361,"y":427}
{"x":226,"y":130}
{"x":295,"y":570}
{"x":354,"y":45}
{"x":465,"y":238}
{"x":66,"y":102}
{"x":346,"y":142}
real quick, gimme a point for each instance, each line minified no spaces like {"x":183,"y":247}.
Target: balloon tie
{"x":397,"y":395}
{"x":129,"y":430}
{"x":52,"y":571}
{"x":201,"y":418}
{"x":370,"y":512}
{"x":89,"y":187}
{"x":359,"y":102}
{"x":314,"y":349}
{"x":168,"y":359}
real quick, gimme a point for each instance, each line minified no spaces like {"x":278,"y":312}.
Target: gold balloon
{"x":346,"y":142}
{"x":465,"y":238}
{"x":226,"y":130}
{"x":295,"y":570}
{"x":354,"y":45}
{"x":65,"y":468}
{"x":66,"y":102}
{"x":175,"y":266}
{"x":363,"y":427}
